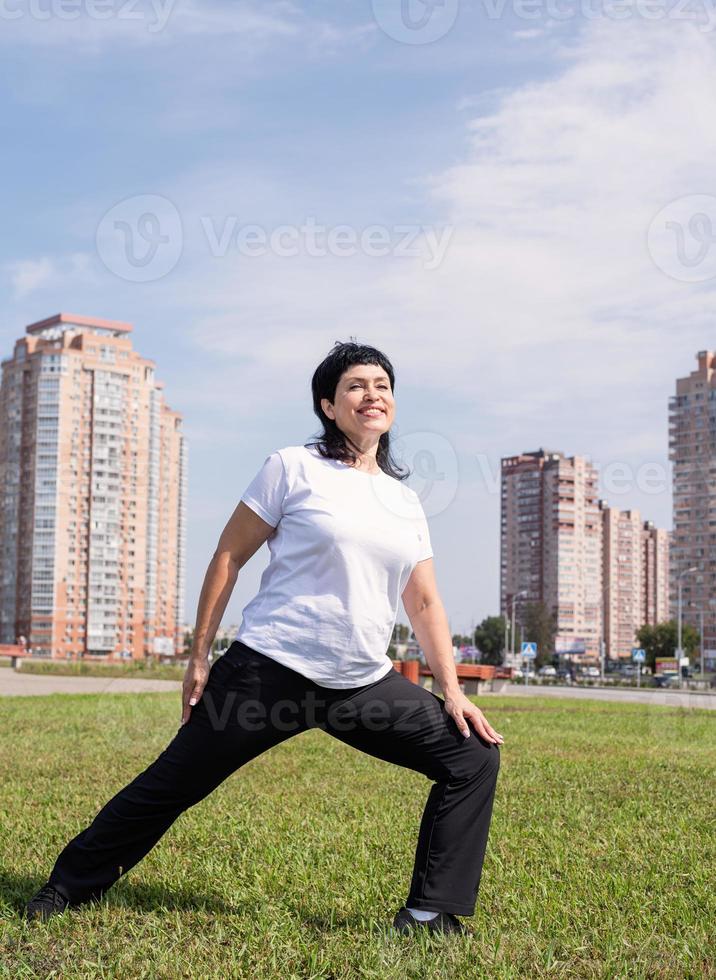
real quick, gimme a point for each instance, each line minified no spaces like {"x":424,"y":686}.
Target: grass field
{"x":88,"y":668}
{"x":600,"y":861}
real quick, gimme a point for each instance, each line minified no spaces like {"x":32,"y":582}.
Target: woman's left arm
{"x":429,"y":621}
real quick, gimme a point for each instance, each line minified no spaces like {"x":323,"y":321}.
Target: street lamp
{"x":679,"y":652}
{"x":514,"y":597}
{"x":602,"y":641}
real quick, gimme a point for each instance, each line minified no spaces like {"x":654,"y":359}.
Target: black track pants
{"x":250,"y":703}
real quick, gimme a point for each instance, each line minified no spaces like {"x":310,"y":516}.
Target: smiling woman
{"x":355,"y":404}
{"x":345,"y":545}
{"x":347,"y":540}
{"x":368,"y":396}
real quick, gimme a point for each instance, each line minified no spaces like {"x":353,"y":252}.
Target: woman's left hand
{"x":463,"y":710}
{"x":195,"y":678}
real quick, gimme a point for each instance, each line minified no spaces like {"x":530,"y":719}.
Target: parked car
{"x":520,"y":675}
{"x":565,"y":674}
{"x":547,"y":671}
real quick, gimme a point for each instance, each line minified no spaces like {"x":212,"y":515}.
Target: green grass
{"x":146,"y":669}
{"x":600,"y":861}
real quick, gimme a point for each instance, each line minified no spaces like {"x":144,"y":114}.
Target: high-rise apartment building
{"x":93,"y":480}
{"x":656,"y":552}
{"x":623,"y":578}
{"x":692,"y":450}
{"x":551,"y":544}
{"x":635,"y":576}
{"x":603,"y":571}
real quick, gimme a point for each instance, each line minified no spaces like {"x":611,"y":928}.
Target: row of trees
{"x":220,"y":641}
{"x":539,"y":626}
{"x":661,"y":640}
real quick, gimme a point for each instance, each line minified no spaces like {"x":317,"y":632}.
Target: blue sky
{"x":557,"y":148}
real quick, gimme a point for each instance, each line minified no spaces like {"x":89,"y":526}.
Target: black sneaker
{"x":47,"y":902}
{"x":405,"y":922}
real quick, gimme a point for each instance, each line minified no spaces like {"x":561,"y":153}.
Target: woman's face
{"x":364,"y":407}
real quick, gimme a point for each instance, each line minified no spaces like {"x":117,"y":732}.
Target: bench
{"x":14,"y":651}
{"x":470,"y":676}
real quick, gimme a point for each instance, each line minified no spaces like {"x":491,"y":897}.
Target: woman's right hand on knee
{"x":195,"y":678}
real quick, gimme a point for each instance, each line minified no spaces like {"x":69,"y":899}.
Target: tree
{"x":490,"y":639}
{"x":458,"y":640}
{"x":188,"y":641}
{"x":660,"y":640}
{"x":401,"y":633}
{"x":540,"y":627}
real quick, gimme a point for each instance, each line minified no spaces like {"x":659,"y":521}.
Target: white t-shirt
{"x":344,"y":545}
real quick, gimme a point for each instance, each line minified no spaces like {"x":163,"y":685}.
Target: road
{"x":17,"y":683}
{"x":674,"y":699}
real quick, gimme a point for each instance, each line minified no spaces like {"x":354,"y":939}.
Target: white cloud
{"x":95,"y":25}
{"x":548,"y":320}
{"x":27,"y":276}
{"x":32,"y":275}
{"x":548,"y":317}
{"x":560,"y":184}
{"x":552,"y":208}
{"x":529,"y":33}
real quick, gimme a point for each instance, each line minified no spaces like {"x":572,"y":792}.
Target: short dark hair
{"x":333,"y":443}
